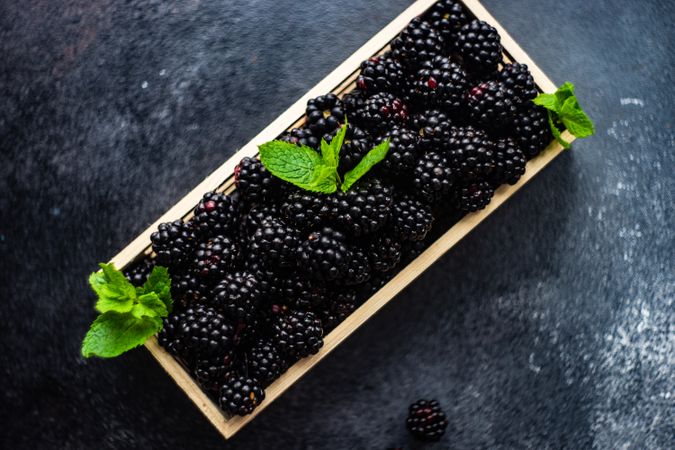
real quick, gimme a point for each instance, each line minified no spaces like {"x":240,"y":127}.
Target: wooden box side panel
{"x":341,"y":79}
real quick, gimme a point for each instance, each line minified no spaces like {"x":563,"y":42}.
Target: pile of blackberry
{"x":261,"y":275}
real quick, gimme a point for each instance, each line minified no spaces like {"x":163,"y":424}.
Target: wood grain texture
{"x":339,"y":81}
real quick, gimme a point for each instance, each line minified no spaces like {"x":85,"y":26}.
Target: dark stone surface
{"x":550,"y":326}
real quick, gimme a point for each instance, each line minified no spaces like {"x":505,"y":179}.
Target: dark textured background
{"x":550,"y":326}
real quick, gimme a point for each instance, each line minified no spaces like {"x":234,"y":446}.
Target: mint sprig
{"x":129,"y":314}
{"x":563,"y":108}
{"x":305,"y":168}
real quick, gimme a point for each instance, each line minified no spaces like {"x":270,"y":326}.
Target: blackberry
{"x":325,"y":113}
{"x":274,"y":244}
{"x":518,"y":79}
{"x":531,"y":130}
{"x":301,"y":136}
{"x":509,"y":162}
{"x":380,"y":112}
{"x":324,"y":254}
{"x":305,"y":210}
{"x":237,"y":295}
{"x":412,"y":249}
{"x":447,"y":17}
{"x":358,"y":270}
{"x":418,"y":42}
{"x":298,"y":334}
{"x":216,"y":214}
{"x":433,"y":127}
{"x":440,"y":82}
{"x":240,"y":395}
{"x":139,"y":272}
{"x":188,"y":288}
{"x":492,"y":105}
{"x":354,"y":103}
{"x":215,"y":256}
{"x":411,"y":220}
{"x":403,"y":152}
{"x":426,"y":420}
{"x":355,"y":146}
{"x":374,"y":284}
{"x":381,"y":74}
{"x":270,"y":278}
{"x":256,"y":216}
{"x":254,"y":183}
{"x":264,"y":362}
{"x":480,"y":47}
{"x":301,"y":293}
{"x":384,"y":253}
{"x":198,"y":332}
{"x":173,"y":242}
{"x":473,"y":196}
{"x":363,"y":209}
{"x":341,"y":305}
{"x":471,"y":154}
{"x":211,"y":372}
{"x":433,"y":177}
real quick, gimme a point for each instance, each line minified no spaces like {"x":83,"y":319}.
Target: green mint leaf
{"x":338,"y":140}
{"x":556,"y":132}
{"x":374,"y":156}
{"x":149,"y":305}
{"x":114,"y":291}
{"x":113,"y":333}
{"x":328,"y":154}
{"x":548,"y":101}
{"x":563,"y":93}
{"x":159,"y":282}
{"x":298,"y":165}
{"x":108,"y":303}
{"x":575,"y":119}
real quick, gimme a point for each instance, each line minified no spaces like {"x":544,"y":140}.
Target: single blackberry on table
{"x":304,"y":209}
{"x":188,"y":288}
{"x":518,"y":79}
{"x":447,"y":17}
{"x":355,"y":146}
{"x":198,"y":332}
{"x":433,"y":178}
{"x":470,"y":154}
{"x":264,"y":362}
{"x":492,"y":105}
{"x":301,"y":136}
{"x":358,"y":270}
{"x":325,"y":113}
{"x":509,"y":162}
{"x":298,"y":333}
{"x":138,"y":273}
{"x":426,"y":420}
{"x":380,"y":112}
{"x":404,"y":149}
{"x":480,"y":47}
{"x":411,"y":220}
{"x":216,"y":214}
{"x":173,"y":243}
{"x":439,"y":82}
{"x":241,"y":395}
{"x":418,"y":42}
{"x":215,"y":256}
{"x":211,"y":372}
{"x":254,"y":183}
{"x":256,"y":216}
{"x":433,"y":127}
{"x":274,"y":244}
{"x":237,"y":296}
{"x":382,"y":73}
{"x":531,"y":130}
{"x":363,"y":209}
{"x":473,"y":196}
{"x":324,"y":254}
{"x":341,"y":304}
{"x":384,"y":252}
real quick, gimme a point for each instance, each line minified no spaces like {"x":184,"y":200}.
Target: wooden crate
{"x":340,"y":81}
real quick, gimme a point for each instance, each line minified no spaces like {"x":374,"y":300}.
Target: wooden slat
{"x":338,"y":81}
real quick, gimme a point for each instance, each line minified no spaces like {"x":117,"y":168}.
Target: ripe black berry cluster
{"x":261,"y":275}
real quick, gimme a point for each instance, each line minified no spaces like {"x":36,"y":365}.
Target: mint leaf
{"x":115,"y":292}
{"x":575,"y":119}
{"x":373,"y":157}
{"x":556,"y":132}
{"x":328,"y":154}
{"x":298,"y":165}
{"x":149,"y":305}
{"x":113,"y":333}
{"x":563,"y":93}
{"x":107,"y":303}
{"x":159,"y":282}
{"x":548,"y":101}
{"x":338,"y":140}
